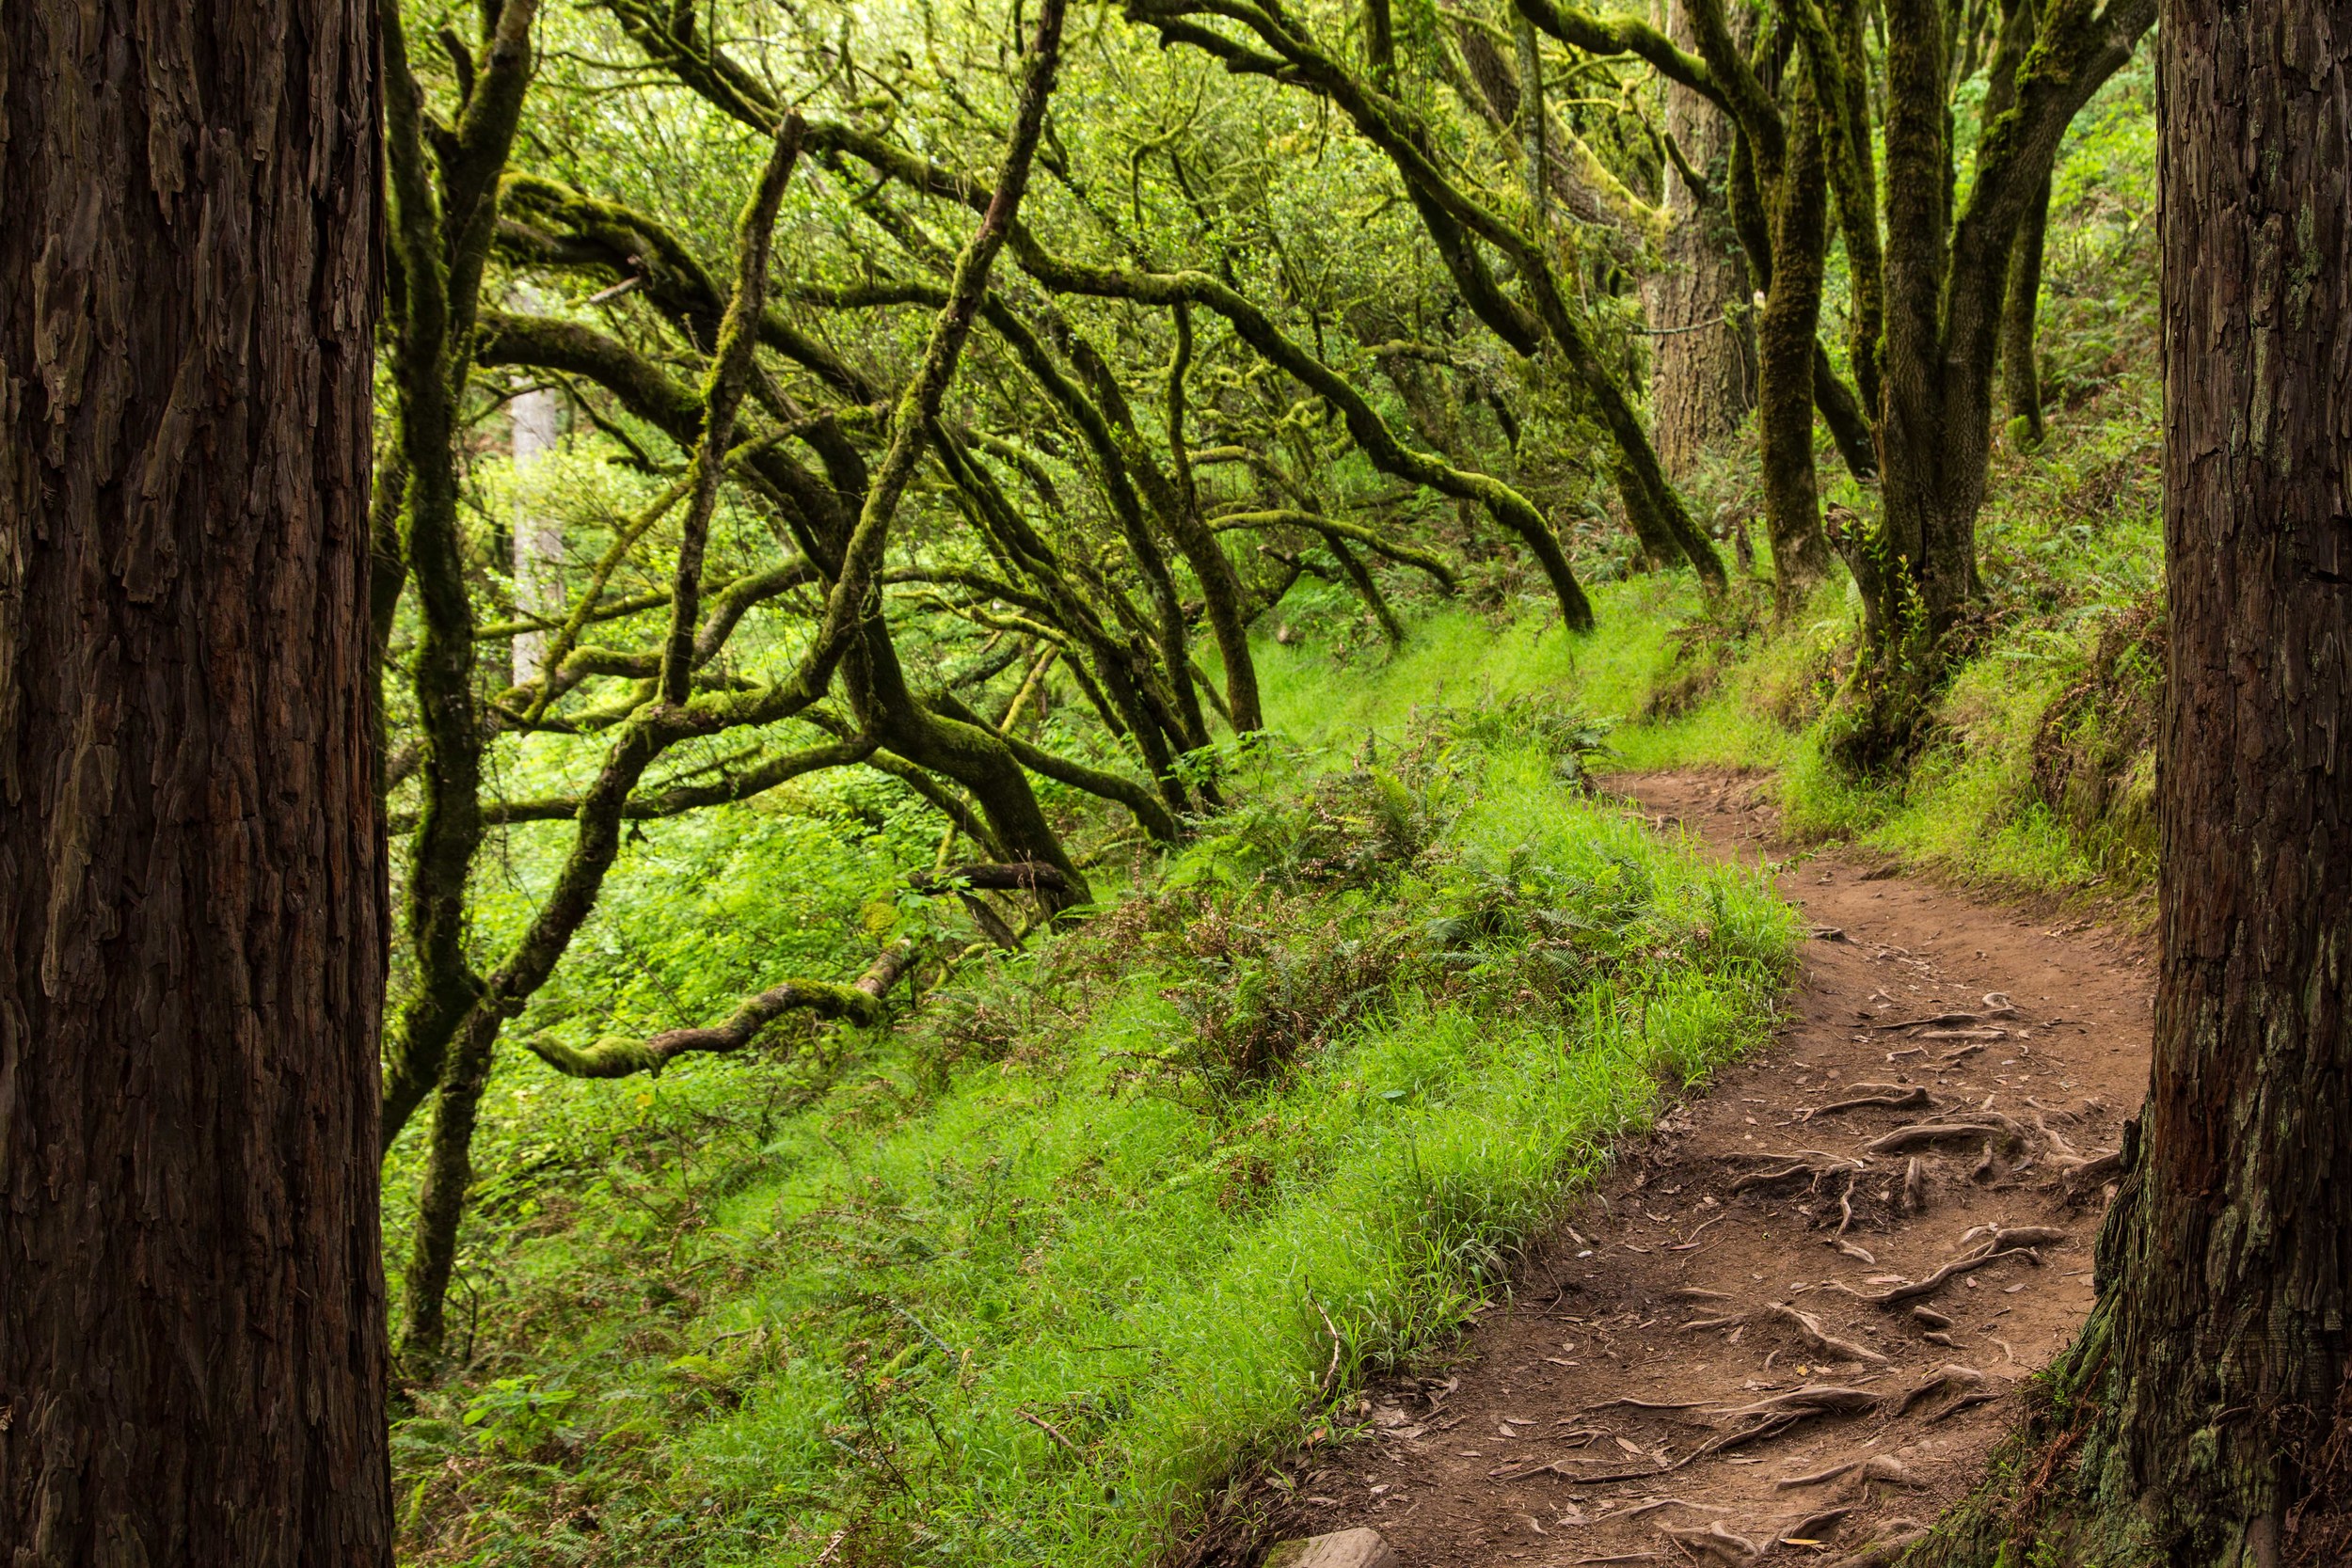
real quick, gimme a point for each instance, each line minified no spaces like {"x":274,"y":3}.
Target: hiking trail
{"x":1792,"y":1320}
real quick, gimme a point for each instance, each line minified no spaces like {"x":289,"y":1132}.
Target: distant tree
{"x":1703,"y":357}
{"x":192,"y":874}
{"x":2199,"y":1417}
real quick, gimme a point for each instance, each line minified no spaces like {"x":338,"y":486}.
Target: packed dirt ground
{"x":1792,"y":1321}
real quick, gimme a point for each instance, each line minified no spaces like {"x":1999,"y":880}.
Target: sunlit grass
{"x":1038,"y":1308}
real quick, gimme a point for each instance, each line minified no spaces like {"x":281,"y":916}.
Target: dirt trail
{"x":1554,"y":1440}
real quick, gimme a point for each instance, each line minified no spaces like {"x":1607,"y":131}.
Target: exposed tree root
{"x":1915,"y":1186}
{"x":1810,"y":1164}
{"x":1966,"y":1384}
{"x":1717,"y":1541}
{"x":1878,"y":1467}
{"x":1809,"y":1328}
{"x":1998,"y":1244}
{"x":1892,"y":1096}
{"x":1981,"y":1124}
{"x":1996,"y":1005}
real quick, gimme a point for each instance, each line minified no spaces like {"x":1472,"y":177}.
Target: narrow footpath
{"x":1792,"y":1321}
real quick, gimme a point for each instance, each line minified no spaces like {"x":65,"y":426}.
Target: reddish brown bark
{"x":192,"y":893}
{"x":2235,"y":1280}
{"x":2192,"y":1421}
{"x":1703,"y":365}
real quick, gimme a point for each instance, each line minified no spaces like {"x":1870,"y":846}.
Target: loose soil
{"x":1627,"y":1404}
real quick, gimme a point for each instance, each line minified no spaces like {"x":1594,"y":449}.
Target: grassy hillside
{"x":1031,"y":1277}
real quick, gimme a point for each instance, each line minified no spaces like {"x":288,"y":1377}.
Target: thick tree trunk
{"x":1703,"y":355}
{"x":2236,"y":1281}
{"x":193,"y":906}
{"x":2216,"y":1358}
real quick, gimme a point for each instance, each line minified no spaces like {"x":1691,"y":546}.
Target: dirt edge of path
{"x":1688,"y":1369}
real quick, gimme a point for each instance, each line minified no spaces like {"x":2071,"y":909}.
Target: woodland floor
{"x":1575,"y":1424}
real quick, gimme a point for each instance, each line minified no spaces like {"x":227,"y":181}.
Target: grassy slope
{"x":1025,"y":1283}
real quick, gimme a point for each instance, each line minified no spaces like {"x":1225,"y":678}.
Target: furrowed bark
{"x":2197,"y":1417}
{"x":193,"y":897}
{"x":1703,"y":360}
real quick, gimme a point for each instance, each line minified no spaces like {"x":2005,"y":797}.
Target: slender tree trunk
{"x":1792,"y":315}
{"x":1703,"y":357}
{"x":193,"y":906}
{"x":2020,"y":377}
{"x":2213,"y":1364}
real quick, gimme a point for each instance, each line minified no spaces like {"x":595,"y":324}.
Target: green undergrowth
{"x":1032,"y":1277}
{"x":2036,"y":772}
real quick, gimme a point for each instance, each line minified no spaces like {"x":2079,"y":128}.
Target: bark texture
{"x":1703,"y":361}
{"x":192,"y":882}
{"x":2235,"y":1277}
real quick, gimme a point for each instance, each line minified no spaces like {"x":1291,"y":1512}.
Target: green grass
{"x":1029,"y":1281}
{"x":2073,"y":549}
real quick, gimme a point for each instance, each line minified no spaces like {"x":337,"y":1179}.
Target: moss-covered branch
{"x":860,"y":1002}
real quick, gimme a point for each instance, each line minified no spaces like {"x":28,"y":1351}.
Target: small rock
{"x":1347,"y":1548}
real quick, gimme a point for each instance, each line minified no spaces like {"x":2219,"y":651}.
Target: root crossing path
{"x":1791,"y":1323}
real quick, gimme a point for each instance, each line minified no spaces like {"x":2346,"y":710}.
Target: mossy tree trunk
{"x":1792,"y":314}
{"x":1947,"y":279}
{"x":2211,"y":1373}
{"x":2020,"y":375}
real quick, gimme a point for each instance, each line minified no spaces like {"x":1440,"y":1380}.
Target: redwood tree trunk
{"x":2235,"y":1280}
{"x":192,"y":882}
{"x":1703,"y":363}
{"x":2188,"y":1422}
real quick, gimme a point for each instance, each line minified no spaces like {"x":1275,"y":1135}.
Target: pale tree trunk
{"x":1703,"y":343}
{"x":192,"y":874}
{"x":535,"y":424}
{"x":2195,"y":1415}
